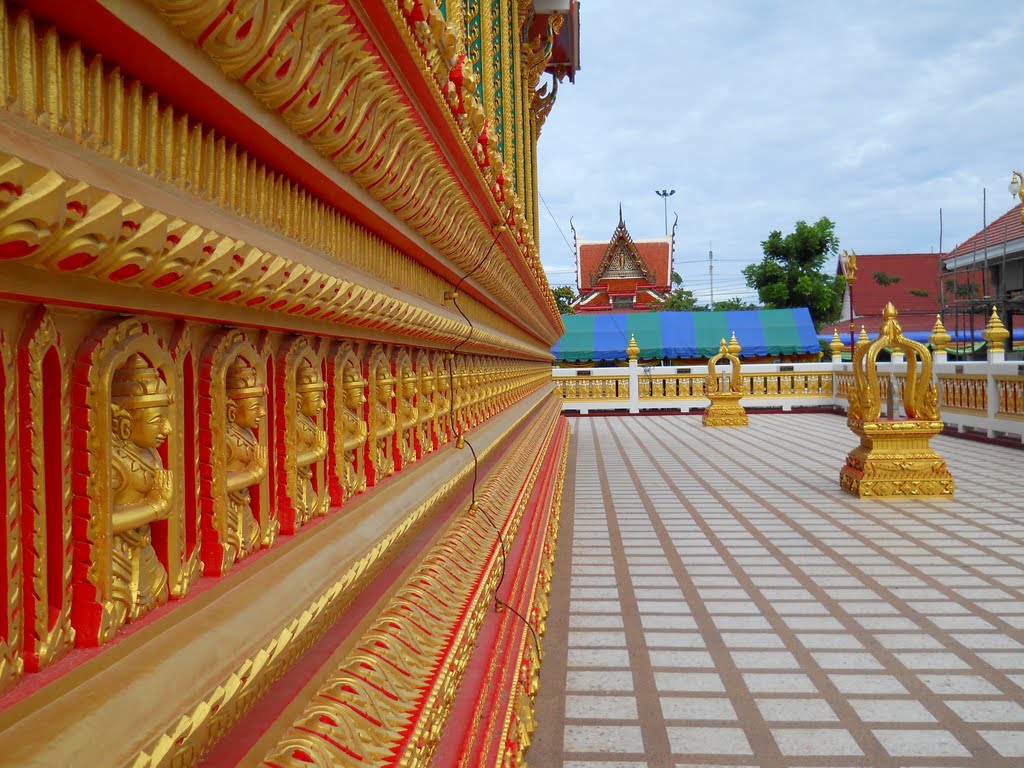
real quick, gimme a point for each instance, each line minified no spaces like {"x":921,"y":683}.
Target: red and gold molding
{"x":388,"y":701}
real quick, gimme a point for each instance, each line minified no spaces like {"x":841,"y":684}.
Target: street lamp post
{"x":665,"y":194}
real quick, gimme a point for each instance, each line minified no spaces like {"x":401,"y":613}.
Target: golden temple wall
{"x":243,"y":324}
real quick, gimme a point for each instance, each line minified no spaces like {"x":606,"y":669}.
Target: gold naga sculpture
{"x":725,"y":409}
{"x":894,"y":457}
{"x":141,"y":487}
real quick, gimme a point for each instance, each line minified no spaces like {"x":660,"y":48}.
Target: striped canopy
{"x":761,"y":333}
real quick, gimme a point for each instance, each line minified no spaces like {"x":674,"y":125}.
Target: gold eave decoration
{"x":69,"y":228}
{"x":314,"y":64}
{"x":894,"y":457}
{"x":725,"y":409}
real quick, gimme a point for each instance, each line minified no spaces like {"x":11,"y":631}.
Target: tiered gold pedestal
{"x":725,"y":410}
{"x":894,"y":459}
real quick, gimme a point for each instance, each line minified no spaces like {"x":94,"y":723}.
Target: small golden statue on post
{"x":725,"y":409}
{"x":246,"y":460}
{"x":894,"y":458}
{"x":142,"y":489}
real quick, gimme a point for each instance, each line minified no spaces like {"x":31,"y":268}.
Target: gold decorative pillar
{"x":425,"y":406}
{"x":406,"y":413}
{"x":443,"y":420}
{"x":894,"y":457}
{"x":725,"y":409}
{"x":11,"y":664}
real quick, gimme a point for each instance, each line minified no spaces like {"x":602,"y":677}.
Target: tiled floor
{"x":719,"y":602}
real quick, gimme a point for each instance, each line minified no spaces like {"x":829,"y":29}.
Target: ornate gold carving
{"x":443,"y":420}
{"x":234,"y":456}
{"x":189,"y":536}
{"x":836,"y":345}
{"x":46,"y":514}
{"x":131,"y":502}
{"x":632,"y":350}
{"x":315,"y":65}
{"x":350,"y":431}
{"x":382,"y":420}
{"x":302,"y":440}
{"x":391,"y":695}
{"x":11,"y":627}
{"x":80,"y":225}
{"x":425,"y":406}
{"x":894,"y":458}
{"x":725,"y":409}
{"x":406,"y":412}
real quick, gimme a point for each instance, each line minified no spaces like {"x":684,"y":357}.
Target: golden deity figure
{"x":894,"y":457}
{"x":425,"y":408}
{"x":246,"y":459}
{"x":142,"y":491}
{"x":725,"y":409}
{"x":383,"y":423}
{"x":407,"y":413}
{"x":310,"y":443}
{"x":353,"y":433}
{"x":443,"y":422}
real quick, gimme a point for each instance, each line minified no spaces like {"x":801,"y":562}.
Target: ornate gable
{"x":622,"y":260}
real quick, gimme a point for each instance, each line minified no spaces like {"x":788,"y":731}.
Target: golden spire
{"x":995,"y":333}
{"x":939,"y":338}
{"x":734,"y":346}
{"x":836,"y":344}
{"x":632,"y":350}
{"x":863,"y":338}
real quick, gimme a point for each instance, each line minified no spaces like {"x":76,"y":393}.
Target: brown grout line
{"x":851,"y":506}
{"x":547,"y":745}
{"x":978,"y":747}
{"x":652,"y":724}
{"x":749,"y":719}
{"x":892,"y":506}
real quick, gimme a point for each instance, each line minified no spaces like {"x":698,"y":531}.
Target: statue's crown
{"x":307,"y":379}
{"x":137,"y":384}
{"x":242,"y":381}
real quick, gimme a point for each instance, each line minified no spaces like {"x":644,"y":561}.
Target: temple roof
{"x":650,"y":259}
{"x":1006,"y":229}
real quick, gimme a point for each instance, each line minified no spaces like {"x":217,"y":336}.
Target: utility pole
{"x":711,"y":274}
{"x":665,"y":194}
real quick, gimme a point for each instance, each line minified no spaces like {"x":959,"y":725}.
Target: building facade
{"x":623,"y":274}
{"x":267,"y":269}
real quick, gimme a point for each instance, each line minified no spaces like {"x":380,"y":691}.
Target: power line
{"x":555,"y":222}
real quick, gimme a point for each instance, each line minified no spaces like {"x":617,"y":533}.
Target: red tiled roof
{"x":656,"y":255}
{"x":1005,"y":229}
{"x":916,"y":271}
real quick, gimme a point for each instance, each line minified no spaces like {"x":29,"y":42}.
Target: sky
{"x":760,"y":113}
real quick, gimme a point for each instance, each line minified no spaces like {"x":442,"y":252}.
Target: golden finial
{"x":863,"y":338}
{"x":633,"y":351}
{"x":734,"y":346}
{"x":723,"y":348}
{"x":836,"y":345}
{"x":939,"y":338}
{"x":995,"y":332}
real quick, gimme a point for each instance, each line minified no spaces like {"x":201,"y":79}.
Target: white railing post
{"x":634,"y":386}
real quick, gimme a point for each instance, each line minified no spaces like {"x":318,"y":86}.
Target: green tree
{"x":680,"y":300}
{"x":564,"y":297}
{"x":790,"y":273}
{"x":733,"y":304}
